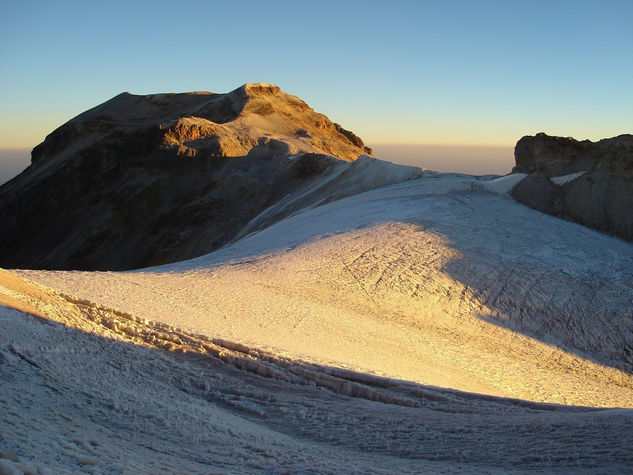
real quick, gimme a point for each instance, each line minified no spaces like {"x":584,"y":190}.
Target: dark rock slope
{"x":145,"y":180}
{"x":601,"y":197}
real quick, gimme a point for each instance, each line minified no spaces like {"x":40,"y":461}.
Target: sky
{"x":458,"y":73}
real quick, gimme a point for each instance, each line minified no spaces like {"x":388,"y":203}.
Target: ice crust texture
{"x":408,"y":328}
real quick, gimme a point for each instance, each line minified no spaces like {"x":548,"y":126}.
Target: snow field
{"x":429,"y":326}
{"x":89,"y":391}
{"x":435,"y":281}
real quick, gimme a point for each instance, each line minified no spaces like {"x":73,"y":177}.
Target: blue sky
{"x":432,"y":72}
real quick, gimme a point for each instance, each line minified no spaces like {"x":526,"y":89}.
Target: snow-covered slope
{"x":347,"y":336}
{"x":92,"y":390}
{"x":437,"y":281}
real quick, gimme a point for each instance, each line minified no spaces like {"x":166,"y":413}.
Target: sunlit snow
{"x":347,"y":336}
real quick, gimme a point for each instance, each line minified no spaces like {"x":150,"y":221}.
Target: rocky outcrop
{"x":144,"y":180}
{"x":203,"y":124}
{"x":556,"y":156}
{"x":598,"y":195}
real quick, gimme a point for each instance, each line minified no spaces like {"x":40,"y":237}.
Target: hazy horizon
{"x":468,"y":159}
{"x":12,"y":162}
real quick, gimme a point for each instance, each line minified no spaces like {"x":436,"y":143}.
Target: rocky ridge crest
{"x":145,"y":180}
{"x":205,"y":125}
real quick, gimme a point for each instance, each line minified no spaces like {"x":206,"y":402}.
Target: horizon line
{"x":400,"y":144}
{"x":435,"y":144}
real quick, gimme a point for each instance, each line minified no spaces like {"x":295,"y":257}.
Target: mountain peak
{"x":146,"y":179}
{"x":261,"y":87}
{"x":251,"y":116}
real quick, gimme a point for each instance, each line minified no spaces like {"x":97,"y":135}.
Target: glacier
{"x":429,"y":325}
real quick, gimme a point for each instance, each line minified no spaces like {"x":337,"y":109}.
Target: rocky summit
{"x":590,"y":183}
{"x":142,"y":180}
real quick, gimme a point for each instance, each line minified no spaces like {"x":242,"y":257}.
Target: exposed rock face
{"x":601,"y":197}
{"x":558,"y":156}
{"x":203,"y":124}
{"x":144,"y":180}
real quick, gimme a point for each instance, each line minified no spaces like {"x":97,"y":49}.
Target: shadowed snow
{"x":415,"y":327}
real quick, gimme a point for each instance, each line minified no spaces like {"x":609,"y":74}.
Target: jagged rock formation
{"x":598,"y":195}
{"x":144,"y":180}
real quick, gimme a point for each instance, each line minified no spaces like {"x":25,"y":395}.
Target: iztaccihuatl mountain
{"x":143,"y":180}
